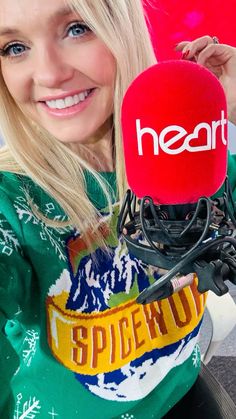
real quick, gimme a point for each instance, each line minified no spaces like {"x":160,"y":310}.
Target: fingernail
{"x":185,"y":54}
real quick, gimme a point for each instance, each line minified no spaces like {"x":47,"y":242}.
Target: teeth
{"x":68,"y":101}
{"x":76,"y":99}
{"x":81,"y":96}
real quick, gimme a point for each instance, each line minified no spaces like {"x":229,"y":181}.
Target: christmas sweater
{"x":73,"y":341}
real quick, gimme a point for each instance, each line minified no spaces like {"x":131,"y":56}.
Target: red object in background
{"x":172,"y":21}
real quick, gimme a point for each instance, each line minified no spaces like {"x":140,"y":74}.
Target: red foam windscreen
{"x":175,"y":133}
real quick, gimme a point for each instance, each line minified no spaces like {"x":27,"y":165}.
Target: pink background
{"x":176,"y":20}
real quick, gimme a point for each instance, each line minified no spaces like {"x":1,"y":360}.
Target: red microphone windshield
{"x":175,"y":133}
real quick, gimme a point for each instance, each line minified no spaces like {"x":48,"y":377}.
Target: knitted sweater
{"x":73,"y":341}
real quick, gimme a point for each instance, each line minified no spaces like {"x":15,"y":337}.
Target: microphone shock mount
{"x":182,"y":239}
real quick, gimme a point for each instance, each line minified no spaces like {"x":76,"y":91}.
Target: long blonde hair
{"x":33,"y":151}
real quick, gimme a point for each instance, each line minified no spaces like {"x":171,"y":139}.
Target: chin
{"x":69,"y":137}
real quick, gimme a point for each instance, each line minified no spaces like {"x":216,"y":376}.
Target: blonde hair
{"x":33,"y":151}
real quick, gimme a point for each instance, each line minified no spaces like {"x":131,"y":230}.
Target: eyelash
{"x":81,"y":26}
{"x":5,"y":51}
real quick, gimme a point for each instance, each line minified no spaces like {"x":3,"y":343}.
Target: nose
{"x":51,"y":68}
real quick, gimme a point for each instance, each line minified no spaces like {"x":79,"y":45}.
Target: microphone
{"x":174,"y":123}
{"x":175,"y":133}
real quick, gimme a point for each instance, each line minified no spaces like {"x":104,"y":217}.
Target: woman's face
{"x":58,"y":72}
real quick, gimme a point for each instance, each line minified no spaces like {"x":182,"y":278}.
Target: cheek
{"x":16,"y":83}
{"x":100,"y":65}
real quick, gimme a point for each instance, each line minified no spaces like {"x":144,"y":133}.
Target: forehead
{"x":14,"y":12}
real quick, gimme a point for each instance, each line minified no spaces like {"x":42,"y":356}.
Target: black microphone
{"x":168,"y":218}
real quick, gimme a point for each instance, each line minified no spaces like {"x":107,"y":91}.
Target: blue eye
{"x":78,"y":29}
{"x":13,"y":50}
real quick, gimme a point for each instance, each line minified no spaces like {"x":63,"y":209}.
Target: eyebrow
{"x":63,"y":11}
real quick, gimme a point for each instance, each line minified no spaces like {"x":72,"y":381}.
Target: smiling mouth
{"x":68,"y":101}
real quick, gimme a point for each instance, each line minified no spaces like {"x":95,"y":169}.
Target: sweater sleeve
{"x":15,"y":280}
{"x":232,"y":172}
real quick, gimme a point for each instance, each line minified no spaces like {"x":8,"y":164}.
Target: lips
{"x":67,"y":105}
{"x":68,"y":101}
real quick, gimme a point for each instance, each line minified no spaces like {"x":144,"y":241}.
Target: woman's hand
{"x":220,"y":59}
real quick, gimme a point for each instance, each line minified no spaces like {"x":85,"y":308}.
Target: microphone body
{"x":175,"y":146}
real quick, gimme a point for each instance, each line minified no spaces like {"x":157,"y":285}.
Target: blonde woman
{"x":73,"y":342}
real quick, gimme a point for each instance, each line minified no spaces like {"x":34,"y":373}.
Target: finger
{"x":207,"y":53}
{"x":194,"y":47}
{"x":220,"y":52}
{"x":181,"y":45}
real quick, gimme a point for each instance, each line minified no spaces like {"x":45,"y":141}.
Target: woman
{"x":74,"y":343}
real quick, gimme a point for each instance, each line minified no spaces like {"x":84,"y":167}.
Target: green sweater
{"x":73,"y":341}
